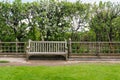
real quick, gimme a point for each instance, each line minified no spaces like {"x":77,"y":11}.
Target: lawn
{"x":83,"y":71}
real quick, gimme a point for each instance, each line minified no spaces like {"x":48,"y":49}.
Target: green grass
{"x":3,"y":61}
{"x":84,"y":71}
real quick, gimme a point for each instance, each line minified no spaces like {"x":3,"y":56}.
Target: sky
{"x":87,"y":1}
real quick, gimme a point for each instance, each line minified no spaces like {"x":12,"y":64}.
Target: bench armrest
{"x":66,"y":48}
{"x":27,"y":49}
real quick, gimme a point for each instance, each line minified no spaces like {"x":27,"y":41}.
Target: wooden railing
{"x":95,"y":48}
{"x":12,"y":47}
{"x":74,"y":47}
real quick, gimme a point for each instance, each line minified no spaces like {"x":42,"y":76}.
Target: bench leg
{"x":66,"y":57}
{"x":27,"y":57}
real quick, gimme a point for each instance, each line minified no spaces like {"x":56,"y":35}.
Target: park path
{"x":23,"y":62}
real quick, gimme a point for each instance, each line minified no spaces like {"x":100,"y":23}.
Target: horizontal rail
{"x":12,"y":42}
{"x":93,"y":42}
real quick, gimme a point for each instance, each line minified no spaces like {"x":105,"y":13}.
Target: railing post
{"x":0,"y":47}
{"x":69,"y":47}
{"x":97,"y":48}
{"x":16,"y":46}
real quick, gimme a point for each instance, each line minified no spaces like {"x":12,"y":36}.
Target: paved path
{"x":23,"y":62}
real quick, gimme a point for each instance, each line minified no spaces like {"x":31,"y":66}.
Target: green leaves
{"x":53,"y":20}
{"x":103,"y":21}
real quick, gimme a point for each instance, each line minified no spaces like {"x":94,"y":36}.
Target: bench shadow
{"x":47,"y":57}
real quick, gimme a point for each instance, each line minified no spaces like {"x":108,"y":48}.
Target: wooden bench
{"x":36,"y":48}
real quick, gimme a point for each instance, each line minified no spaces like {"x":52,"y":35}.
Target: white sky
{"x":90,"y":1}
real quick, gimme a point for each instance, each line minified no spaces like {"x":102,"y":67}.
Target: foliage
{"x":59,"y":20}
{"x":103,"y":21}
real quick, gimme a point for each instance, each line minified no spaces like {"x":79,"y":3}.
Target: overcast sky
{"x":90,"y":1}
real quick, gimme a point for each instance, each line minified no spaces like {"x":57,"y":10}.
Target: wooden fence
{"x":12,"y":47}
{"x":74,"y":48}
{"x":94,"y":48}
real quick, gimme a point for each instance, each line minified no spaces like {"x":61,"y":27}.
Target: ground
{"x":23,"y":62}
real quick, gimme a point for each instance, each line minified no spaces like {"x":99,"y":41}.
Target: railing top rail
{"x":12,"y":42}
{"x":59,"y":42}
{"x":92,"y":42}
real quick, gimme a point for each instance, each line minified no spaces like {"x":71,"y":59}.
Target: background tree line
{"x":59,"y":20}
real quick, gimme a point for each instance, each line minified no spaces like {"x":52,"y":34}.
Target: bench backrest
{"x":47,"y":46}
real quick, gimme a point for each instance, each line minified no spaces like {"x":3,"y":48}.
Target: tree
{"x":58,"y":20}
{"x":102,"y":21}
{"x":49,"y":17}
{"x":12,"y":16}
{"x":5,"y":30}
{"x":77,"y":15}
